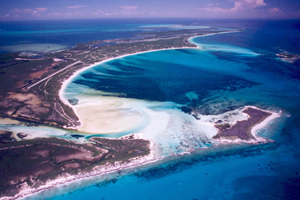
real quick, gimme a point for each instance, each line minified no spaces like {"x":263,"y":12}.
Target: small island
{"x":242,"y":129}
{"x":288,"y":57}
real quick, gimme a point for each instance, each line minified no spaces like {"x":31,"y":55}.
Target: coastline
{"x":254,"y":129}
{"x":150,"y":158}
{"x":97,"y":171}
{"x":209,"y":34}
{"x":69,"y":79}
{"x":264,"y":122}
{"x":105,"y":170}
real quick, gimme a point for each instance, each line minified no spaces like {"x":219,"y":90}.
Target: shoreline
{"x":107,"y":170}
{"x":264,"y":122}
{"x":257,"y":139}
{"x":209,"y":34}
{"x":138,"y":161}
{"x":97,"y":171}
{"x":69,"y":79}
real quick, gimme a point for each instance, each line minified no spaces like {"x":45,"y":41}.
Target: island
{"x":242,"y":129}
{"x":29,"y":93}
{"x":29,"y":84}
{"x":288,"y":57}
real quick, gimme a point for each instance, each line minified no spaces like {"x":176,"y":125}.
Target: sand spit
{"x":111,"y":108}
{"x":70,"y":79}
{"x":152,"y":158}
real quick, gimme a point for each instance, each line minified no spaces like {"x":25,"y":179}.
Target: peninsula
{"x":29,"y":93}
{"x":29,"y":84}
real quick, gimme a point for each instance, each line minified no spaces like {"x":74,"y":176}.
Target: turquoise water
{"x":226,"y":72}
{"x":252,"y":176}
{"x":27,"y":35}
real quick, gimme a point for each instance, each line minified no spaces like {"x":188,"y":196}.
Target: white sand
{"x":209,"y":34}
{"x":162,"y":125}
{"x":104,"y":115}
{"x":84,"y":120}
{"x":87,"y":113}
{"x":265,"y":122}
{"x":107,"y":115}
{"x":8,"y":121}
{"x":100,"y":114}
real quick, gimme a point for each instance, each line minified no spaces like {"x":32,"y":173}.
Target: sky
{"x":67,"y":9}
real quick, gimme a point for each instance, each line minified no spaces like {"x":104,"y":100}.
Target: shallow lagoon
{"x":221,"y":76}
{"x":218,"y":78}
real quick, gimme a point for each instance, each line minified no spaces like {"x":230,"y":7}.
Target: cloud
{"x":29,"y":10}
{"x":56,"y":14}
{"x":128,"y":7}
{"x":112,"y":14}
{"x":16,"y":10}
{"x":26,"y":10}
{"x":256,"y":3}
{"x":36,"y":13}
{"x":41,"y":9}
{"x":76,"y":7}
{"x":213,"y":4}
{"x":125,"y":10}
{"x":239,"y":5}
{"x":275,"y":11}
{"x":100,"y":12}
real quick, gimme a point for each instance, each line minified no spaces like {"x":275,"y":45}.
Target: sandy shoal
{"x":102,"y":115}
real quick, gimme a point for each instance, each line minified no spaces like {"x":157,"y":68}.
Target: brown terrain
{"x":33,"y":162}
{"x":29,"y":89}
{"x":23,"y":99}
{"x":242,"y":129}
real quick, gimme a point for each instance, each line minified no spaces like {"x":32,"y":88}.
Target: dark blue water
{"x":64,"y":32}
{"x":163,"y":76}
{"x":226,"y":72}
{"x":71,"y":32}
{"x":225,"y":63}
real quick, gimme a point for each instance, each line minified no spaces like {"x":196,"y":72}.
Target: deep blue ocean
{"x":67,"y":33}
{"x":226,"y":72}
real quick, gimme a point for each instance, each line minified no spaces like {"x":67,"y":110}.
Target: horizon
{"x":20,"y":10}
{"x":157,"y":18}
{"x":200,"y":106}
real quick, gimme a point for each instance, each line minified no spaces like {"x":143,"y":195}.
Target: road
{"x":53,"y":74}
